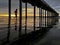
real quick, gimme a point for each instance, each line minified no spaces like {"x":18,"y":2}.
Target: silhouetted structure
{"x":44,"y":8}
{"x":20,"y":17}
{"x":9,"y":21}
{"x":25,"y":17}
{"x":34,"y":17}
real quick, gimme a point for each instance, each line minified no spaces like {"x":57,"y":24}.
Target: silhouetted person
{"x":16,"y":19}
{"x":16,"y":13}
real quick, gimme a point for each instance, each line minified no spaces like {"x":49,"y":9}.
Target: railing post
{"x":20,"y":17}
{"x":25,"y":17}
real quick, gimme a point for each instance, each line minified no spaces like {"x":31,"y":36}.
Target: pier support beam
{"x":25,"y":17}
{"x":20,"y":17}
{"x":39,"y":17}
{"x":9,"y":21}
{"x":45,"y":18}
{"x":50,"y":14}
{"x":34,"y":16}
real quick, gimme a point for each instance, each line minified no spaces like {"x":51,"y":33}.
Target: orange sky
{"x":30,"y":12}
{"x":14,"y":15}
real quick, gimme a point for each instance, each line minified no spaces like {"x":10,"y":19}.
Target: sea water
{"x":14,"y":34}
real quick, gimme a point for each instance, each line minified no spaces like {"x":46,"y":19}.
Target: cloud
{"x":14,"y":5}
{"x":3,"y":4}
{"x":55,"y":4}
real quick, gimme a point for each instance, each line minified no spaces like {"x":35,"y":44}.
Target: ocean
{"x":14,"y":34}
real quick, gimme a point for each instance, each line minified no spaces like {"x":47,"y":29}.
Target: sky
{"x":55,"y":4}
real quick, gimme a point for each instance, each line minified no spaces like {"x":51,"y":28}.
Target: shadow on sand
{"x":31,"y":38}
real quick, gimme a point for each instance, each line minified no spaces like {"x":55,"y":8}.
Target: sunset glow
{"x":30,"y":12}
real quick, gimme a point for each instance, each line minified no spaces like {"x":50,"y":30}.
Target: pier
{"x":47,"y":16}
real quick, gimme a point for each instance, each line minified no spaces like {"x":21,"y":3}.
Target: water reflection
{"x":16,"y":24}
{"x":30,"y":39}
{"x":45,"y":24}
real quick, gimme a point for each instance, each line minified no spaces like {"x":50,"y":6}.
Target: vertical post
{"x":45,"y":17}
{"x":34,"y":17}
{"x":39,"y":17}
{"x":50,"y":20}
{"x":26,"y":18}
{"x":51,"y":14}
{"x":48,"y":13}
{"x":9,"y":21}
{"x":20,"y":17}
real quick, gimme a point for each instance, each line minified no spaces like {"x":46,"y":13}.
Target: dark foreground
{"x":51,"y":37}
{"x":43,"y":36}
{"x":31,"y":38}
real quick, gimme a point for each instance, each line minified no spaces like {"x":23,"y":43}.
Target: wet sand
{"x":52,"y":37}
